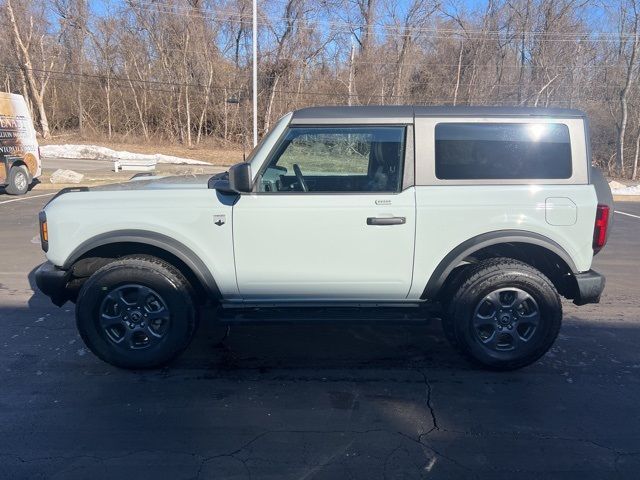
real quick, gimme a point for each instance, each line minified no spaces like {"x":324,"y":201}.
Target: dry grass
{"x":214,"y":152}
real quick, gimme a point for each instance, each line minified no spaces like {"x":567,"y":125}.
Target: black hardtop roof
{"x":398,"y":112}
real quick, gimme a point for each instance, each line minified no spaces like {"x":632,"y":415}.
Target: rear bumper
{"x":590,"y":287}
{"x":52,"y":281}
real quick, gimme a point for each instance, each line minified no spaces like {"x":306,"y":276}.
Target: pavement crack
{"x":269,"y":432}
{"x":432,"y":411}
{"x":436,"y":451}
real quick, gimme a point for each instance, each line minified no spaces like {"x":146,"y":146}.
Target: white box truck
{"x":19,"y":153}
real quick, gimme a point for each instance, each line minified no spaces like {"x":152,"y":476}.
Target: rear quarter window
{"x":502,"y":151}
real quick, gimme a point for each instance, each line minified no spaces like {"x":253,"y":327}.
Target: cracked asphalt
{"x":317,"y":402}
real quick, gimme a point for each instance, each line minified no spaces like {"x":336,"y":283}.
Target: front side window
{"x":336,"y":159}
{"x":491,"y":151}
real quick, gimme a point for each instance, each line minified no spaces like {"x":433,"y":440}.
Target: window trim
{"x":499,"y":179}
{"x":407,"y":162}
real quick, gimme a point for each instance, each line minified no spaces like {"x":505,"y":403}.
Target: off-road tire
{"x":150,"y":273}
{"x":18,"y":181}
{"x":490,"y":276}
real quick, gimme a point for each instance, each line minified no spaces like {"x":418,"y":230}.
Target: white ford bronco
{"x":483,"y":217}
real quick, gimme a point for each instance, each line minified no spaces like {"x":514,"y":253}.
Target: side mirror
{"x":240,"y":178}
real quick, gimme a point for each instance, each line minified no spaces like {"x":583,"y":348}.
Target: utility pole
{"x":255,"y":72}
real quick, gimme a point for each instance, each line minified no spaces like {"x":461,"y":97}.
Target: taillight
{"x":600,"y":228}
{"x":44,"y":231}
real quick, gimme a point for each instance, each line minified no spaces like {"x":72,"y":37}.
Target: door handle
{"x":386,"y":220}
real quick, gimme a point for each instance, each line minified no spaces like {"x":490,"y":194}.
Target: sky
{"x":594,"y":15}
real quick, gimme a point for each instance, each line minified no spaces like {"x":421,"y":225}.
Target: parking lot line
{"x":28,"y":198}
{"x":628,"y":214}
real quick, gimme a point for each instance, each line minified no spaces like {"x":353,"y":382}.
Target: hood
{"x":161,"y":183}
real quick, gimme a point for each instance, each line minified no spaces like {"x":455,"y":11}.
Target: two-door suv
{"x":483,"y":217}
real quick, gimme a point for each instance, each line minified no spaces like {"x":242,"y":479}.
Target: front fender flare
{"x":158,"y":240}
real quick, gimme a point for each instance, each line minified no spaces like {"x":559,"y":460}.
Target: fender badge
{"x":219,"y":220}
{"x":383,"y":202}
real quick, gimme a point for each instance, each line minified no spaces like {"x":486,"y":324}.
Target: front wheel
{"x":18,"y":181}
{"x":136,"y":313}
{"x":504,"y":315}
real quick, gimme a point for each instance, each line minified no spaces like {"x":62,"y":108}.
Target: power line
{"x":350,"y":27}
{"x":118,"y":79}
{"x":416,"y":98}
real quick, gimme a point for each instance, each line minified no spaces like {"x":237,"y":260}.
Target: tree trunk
{"x":206,"y":105}
{"x":108,"y":95}
{"x":622,"y":126}
{"x":143,"y":124}
{"x":187,"y":99}
{"x":24,"y":58}
{"x":80,"y":107}
{"x":634,"y":175}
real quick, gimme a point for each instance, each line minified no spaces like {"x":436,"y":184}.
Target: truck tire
{"x":504,"y":314}
{"x":136,"y":313}
{"x":18,"y":181}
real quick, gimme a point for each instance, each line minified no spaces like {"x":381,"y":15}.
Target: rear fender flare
{"x":472,"y":245}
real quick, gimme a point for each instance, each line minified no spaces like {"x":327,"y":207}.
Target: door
{"x":329,"y":219}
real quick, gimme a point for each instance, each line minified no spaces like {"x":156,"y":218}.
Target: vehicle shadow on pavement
{"x":324,"y":345}
{"x":3,"y":190}
{"x":38,"y":299}
{"x":320,"y":346}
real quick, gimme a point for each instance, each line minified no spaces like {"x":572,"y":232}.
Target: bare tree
{"x":24,"y":38}
{"x":628,"y":50}
{"x":74,"y":19}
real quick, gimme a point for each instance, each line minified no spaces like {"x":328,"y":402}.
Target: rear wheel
{"x":136,"y":313}
{"x":18,"y":181}
{"x":504,"y":314}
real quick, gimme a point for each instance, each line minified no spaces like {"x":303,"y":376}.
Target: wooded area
{"x":180,"y":70}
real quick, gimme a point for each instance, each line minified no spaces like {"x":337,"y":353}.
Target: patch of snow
{"x":96,"y":152}
{"x":624,"y":190}
{"x":613,"y":185}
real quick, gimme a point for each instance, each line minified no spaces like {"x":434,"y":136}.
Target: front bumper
{"x":52,"y":281}
{"x":590,"y":287}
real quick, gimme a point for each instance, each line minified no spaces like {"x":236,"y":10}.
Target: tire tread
{"x":473,"y":276}
{"x":144,"y":263}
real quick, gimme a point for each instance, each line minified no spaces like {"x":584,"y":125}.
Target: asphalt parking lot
{"x":316,"y":402}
